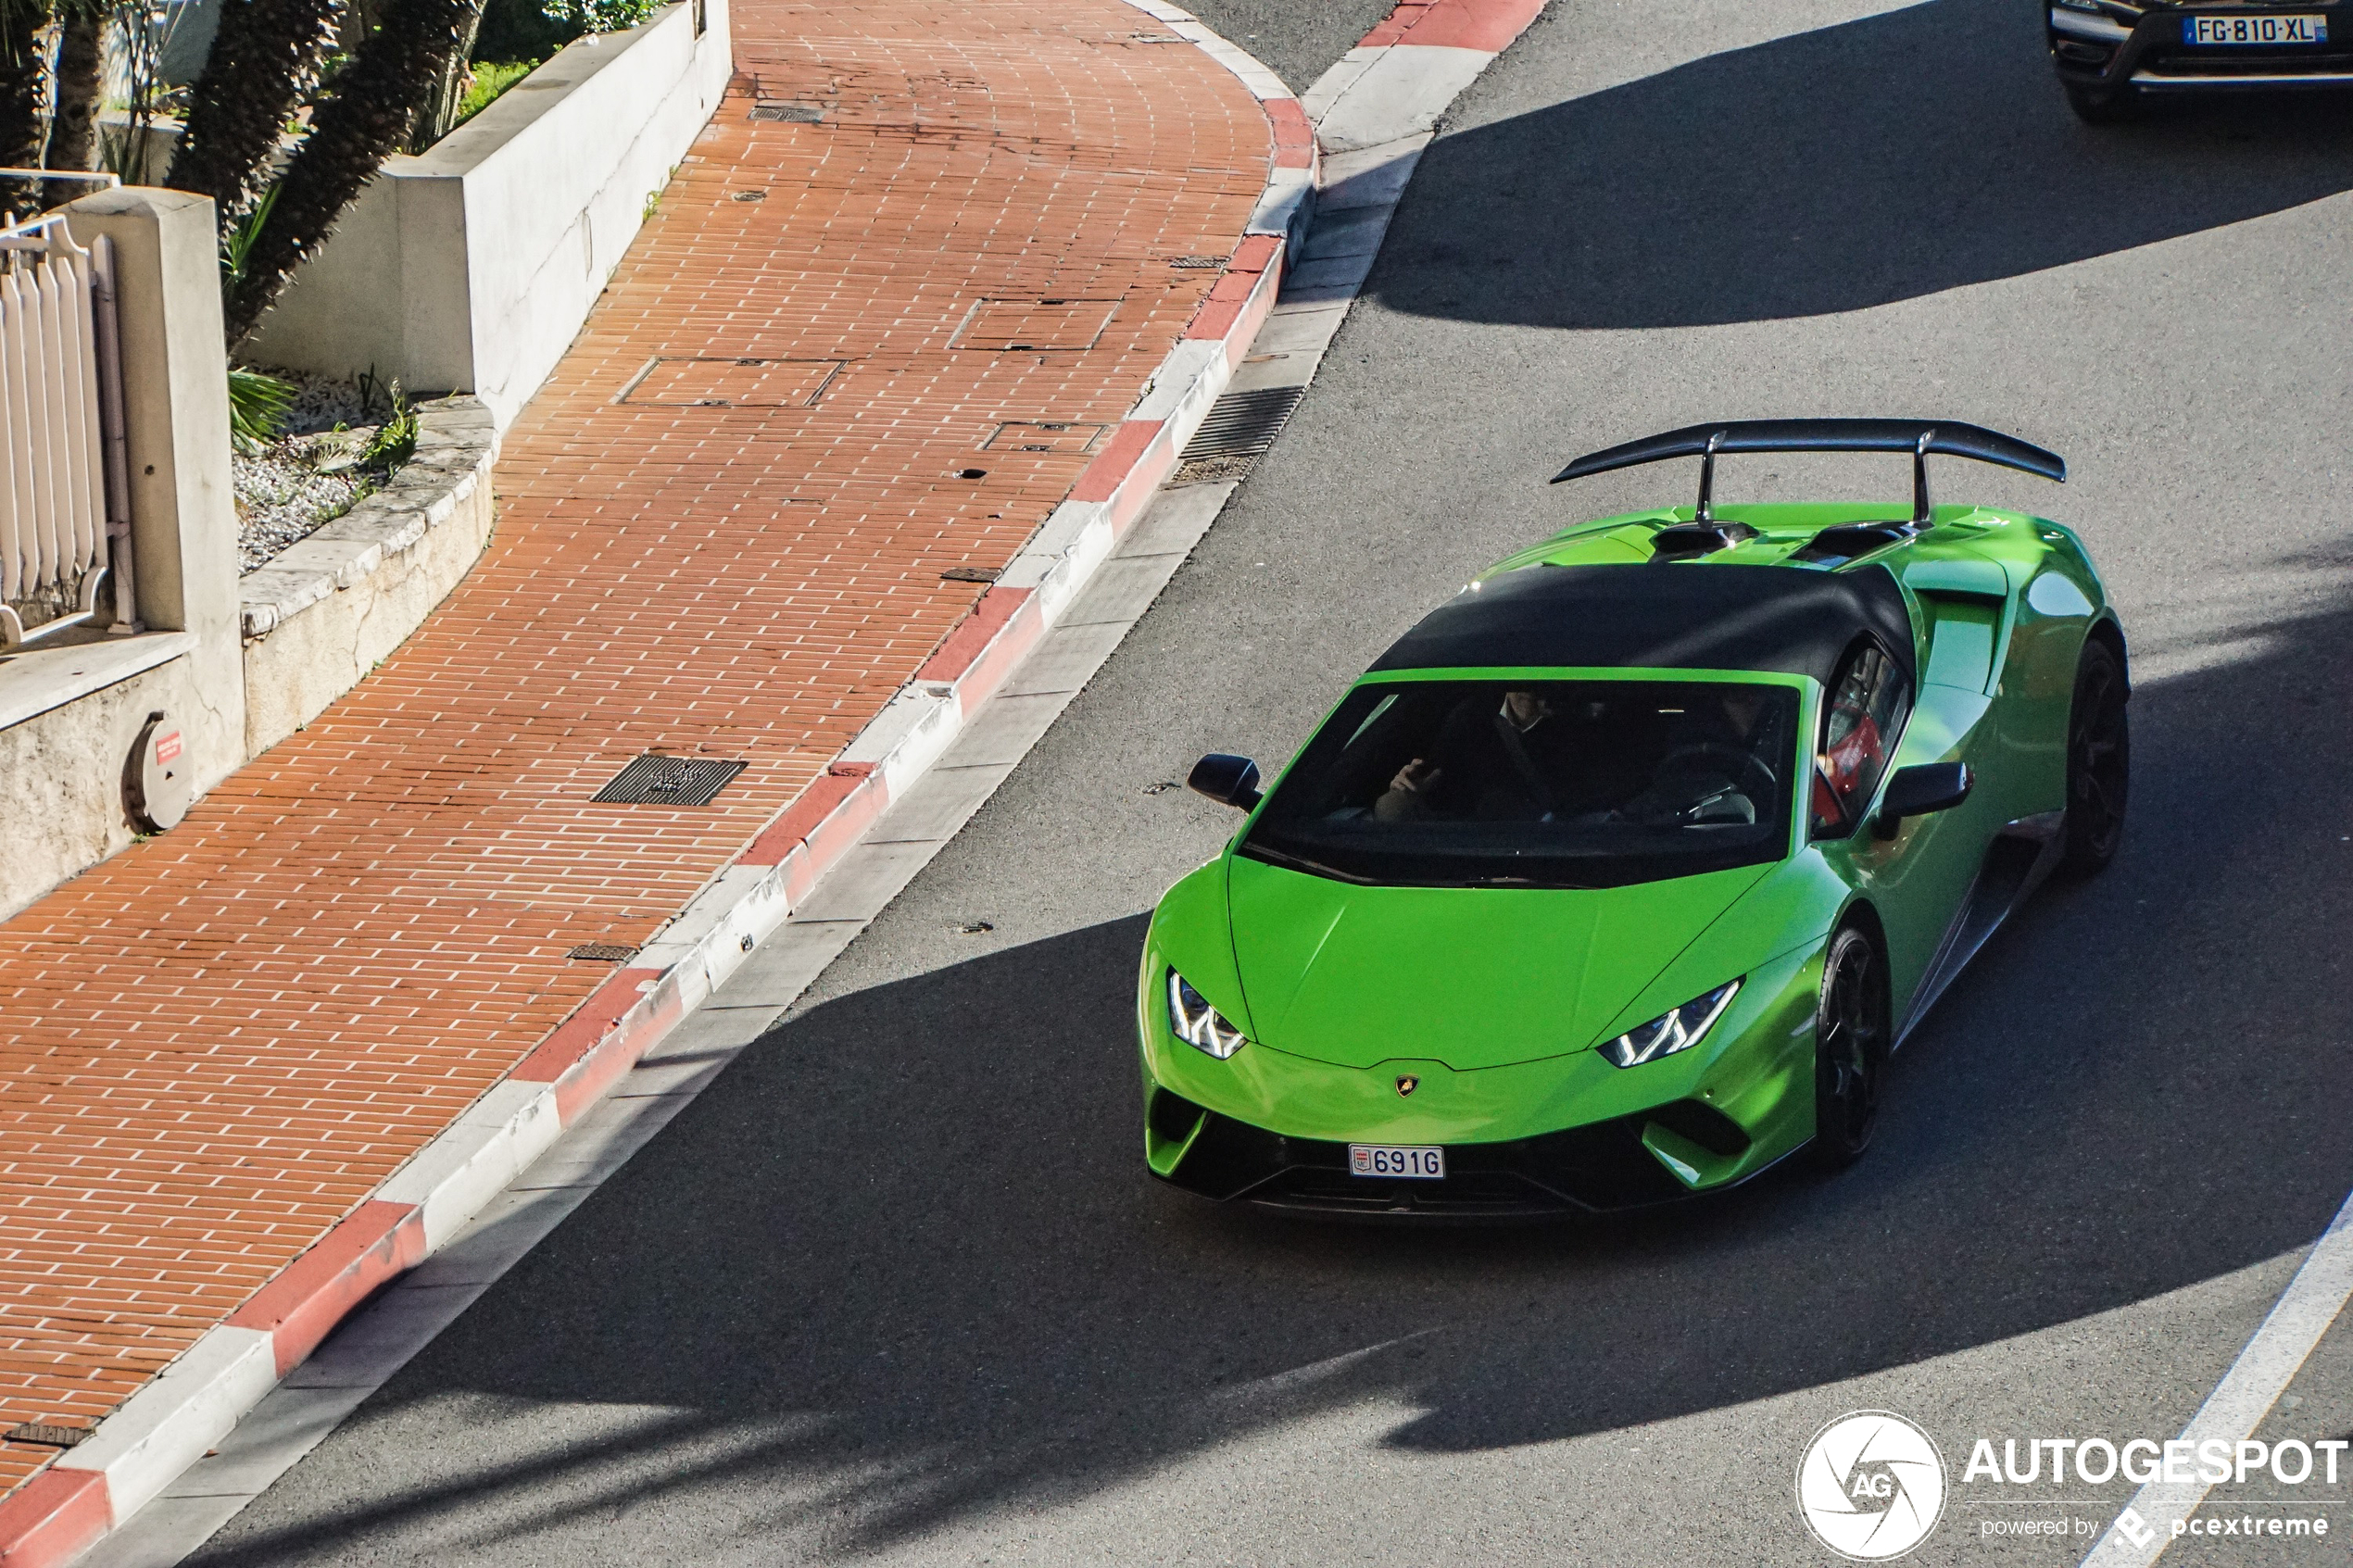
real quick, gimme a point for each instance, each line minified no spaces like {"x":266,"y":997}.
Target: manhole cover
{"x":1043,"y":435}
{"x":669,"y":781}
{"x":796,"y":114}
{"x":1006,"y":325}
{"x":706,"y":383}
{"x":603,"y":953}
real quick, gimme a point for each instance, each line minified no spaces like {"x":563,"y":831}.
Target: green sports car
{"x":1618,"y":877}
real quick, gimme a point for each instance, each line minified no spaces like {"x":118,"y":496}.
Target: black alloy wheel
{"x":1850,"y":1047}
{"x":2099,"y":759}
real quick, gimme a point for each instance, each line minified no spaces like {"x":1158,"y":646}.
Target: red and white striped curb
{"x":139,"y":1449}
{"x":1403,"y":75}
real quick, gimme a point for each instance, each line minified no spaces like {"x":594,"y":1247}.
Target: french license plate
{"x":1389,"y":1159}
{"x":2255,"y":30}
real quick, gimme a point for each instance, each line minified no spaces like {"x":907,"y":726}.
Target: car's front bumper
{"x":2114,"y":50}
{"x":1606,"y":1166}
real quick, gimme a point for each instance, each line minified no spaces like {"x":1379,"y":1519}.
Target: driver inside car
{"x":1524,"y":759}
{"x":1713,"y":762}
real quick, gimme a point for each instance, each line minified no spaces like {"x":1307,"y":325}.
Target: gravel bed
{"x":308,"y":476}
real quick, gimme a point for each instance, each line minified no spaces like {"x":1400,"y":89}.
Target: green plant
{"x":396,"y":440}
{"x":519,"y":29}
{"x":602,"y":16}
{"x":237,"y":239}
{"x":258,"y":405}
{"x":490,"y":79}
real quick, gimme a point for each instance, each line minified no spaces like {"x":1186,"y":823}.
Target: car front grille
{"x":1584,"y":1169}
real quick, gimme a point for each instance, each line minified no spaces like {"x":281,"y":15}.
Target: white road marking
{"x":2303,"y":1313}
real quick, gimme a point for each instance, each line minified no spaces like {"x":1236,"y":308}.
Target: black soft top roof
{"x":1685,"y":616}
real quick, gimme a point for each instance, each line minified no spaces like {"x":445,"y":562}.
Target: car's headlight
{"x":1676,"y":1031}
{"x":1199,"y":1024}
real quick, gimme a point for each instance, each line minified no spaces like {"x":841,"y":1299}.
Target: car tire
{"x":1851,"y":1030}
{"x":2099,"y":760}
{"x":2099,"y":106}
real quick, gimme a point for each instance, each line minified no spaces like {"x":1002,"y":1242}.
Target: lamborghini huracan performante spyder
{"x":1618,"y":877}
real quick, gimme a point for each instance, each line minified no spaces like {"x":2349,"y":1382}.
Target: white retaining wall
{"x":471,"y":268}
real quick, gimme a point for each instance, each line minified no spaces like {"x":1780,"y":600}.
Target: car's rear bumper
{"x":2105,"y":50}
{"x":1592,"y":1169}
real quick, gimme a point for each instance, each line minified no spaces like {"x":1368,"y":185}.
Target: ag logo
{"x":1871,"y":1486}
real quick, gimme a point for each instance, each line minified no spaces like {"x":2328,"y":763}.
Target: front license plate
{"x":2255,"y":30}
{"x":1389,"y":1160}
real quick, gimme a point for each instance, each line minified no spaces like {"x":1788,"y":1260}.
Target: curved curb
{"x":95,"y":1488}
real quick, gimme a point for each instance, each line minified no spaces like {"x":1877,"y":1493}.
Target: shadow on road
{"x":902,"y":1265}
{"x":1909,"y":153}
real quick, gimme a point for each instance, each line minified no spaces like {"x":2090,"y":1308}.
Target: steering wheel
{"x":1743,"y":762}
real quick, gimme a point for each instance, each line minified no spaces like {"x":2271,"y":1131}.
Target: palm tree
{"x":265,"y":60}
{"x":26,"y":35}
{"x":73,"y":134}
{"x":366,"y":119}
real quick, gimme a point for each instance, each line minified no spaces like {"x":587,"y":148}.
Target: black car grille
{"x":2243,"y":62}
{"x":1601,"y":1167}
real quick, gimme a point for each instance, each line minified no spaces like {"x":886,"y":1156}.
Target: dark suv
{"x":2110,"y":53}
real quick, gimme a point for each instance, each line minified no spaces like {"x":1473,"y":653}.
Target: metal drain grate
{"x":796,"y":114}
{"x":1241,"y":427}
{"x":669,"y":781}
{"x":1196,"y":263}
{"x":603,"y":952}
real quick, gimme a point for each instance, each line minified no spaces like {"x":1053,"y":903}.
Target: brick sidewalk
{"x":218,"y":1043}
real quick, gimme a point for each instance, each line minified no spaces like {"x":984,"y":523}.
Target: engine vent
{"x":1852,"y":541}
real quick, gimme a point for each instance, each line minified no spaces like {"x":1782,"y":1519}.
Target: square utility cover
{"x":669,"y":781}
{"x":1008,"y":324}
{"x":1043,"y":435}
{"x":732,"y":383}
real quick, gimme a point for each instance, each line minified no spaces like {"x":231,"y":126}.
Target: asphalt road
{"x":966,"y":1328}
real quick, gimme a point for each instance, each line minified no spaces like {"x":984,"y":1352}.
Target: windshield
{"x":1544,"y":784}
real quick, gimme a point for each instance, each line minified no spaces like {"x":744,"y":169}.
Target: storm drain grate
{"x":1196,"y":263}
{"x":1241,"y":427}
{"x":796,"y":114}
{"x":669,"y":781}
{"x":603,"y":952}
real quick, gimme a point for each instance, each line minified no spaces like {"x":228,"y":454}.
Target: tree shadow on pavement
{"x":1902,"y":155}
{"x":902,"y":1265}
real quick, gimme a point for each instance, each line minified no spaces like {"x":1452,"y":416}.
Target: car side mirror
{"x":1230,"y":781}
{"x":1919,"y":790}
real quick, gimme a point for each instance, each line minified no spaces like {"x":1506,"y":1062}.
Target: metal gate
{"x":65,"y":516}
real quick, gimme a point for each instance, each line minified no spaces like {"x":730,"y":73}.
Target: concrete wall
{"x":318,"y":617}
{"x":471,"y":266}
{"x":63,"y":768}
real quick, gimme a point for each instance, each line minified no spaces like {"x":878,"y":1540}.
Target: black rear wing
{"x":1920,"y":437}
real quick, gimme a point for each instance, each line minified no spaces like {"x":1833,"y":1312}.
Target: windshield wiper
{"x":1257,"y":851}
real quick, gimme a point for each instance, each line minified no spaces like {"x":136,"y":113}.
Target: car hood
{"x":1469,"y":977}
